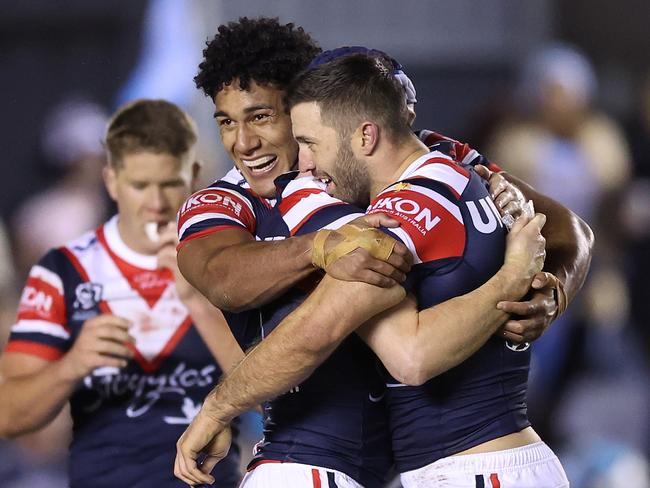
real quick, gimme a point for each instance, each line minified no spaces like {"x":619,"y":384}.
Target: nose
{"x":246,"y":141}
{"x":157,"y":201}
{"x":305,"y":160}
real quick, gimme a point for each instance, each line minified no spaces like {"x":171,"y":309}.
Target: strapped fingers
{"x":378,"y":244}
{"x":504,"y":198}
{"x":512,"y":208}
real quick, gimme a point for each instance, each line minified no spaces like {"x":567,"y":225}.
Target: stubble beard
{"x":352,"y":178}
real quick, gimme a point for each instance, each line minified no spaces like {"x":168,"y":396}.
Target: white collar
{"x":119,"y":247}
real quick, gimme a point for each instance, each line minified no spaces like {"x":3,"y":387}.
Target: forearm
{"x":298,"y":345}
{"x":29,"y":402}
{"x":569,"y":240}
{"x":215,"y":332}
{"x":416,"y":346}
{"x":272,"y":267}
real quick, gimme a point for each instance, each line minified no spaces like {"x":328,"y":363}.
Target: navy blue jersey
{"x":229,"y":203}
{"x":454,"y":231}
{"x":336,"y":418}
{"x":126,"y":421}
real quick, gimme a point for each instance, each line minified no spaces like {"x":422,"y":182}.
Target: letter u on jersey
{"x":487,"y":220}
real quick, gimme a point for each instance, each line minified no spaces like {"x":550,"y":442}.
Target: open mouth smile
{"x":260,"y":165}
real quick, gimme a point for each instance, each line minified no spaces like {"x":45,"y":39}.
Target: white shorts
{"x":295,"y":475}
{"x":532,"y":466}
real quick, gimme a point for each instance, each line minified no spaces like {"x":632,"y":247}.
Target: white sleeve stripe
{"x":470,"y":156}
{"x":41,"y":326}
{"x":445,"y":174}
{"x":239,"y":196}
{"x":408,"y":242}
{"x":303,"y":183}
{"x":338,"y":223}
{"x":438,"y":198}
{"x":415,"y":165}
{"x":205,"y":216}
{"x":47,"y":276}
{"x":306,"y":206}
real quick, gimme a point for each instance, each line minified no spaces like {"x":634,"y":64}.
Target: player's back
{"x":453,"y":227}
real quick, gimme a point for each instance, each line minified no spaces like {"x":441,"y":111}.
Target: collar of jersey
{"x":117,"y":245}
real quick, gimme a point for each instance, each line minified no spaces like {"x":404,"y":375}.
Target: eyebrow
{"x":247,"y":110}
{"x":303,"y":139}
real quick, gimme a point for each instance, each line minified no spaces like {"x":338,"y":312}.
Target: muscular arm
{"x":214,"y":330}
{"x":32,"y":391}
{"x":215,"y":263}
{"x":416,"y":346}
{"x":569,"y":240}
{"x":298,"y":345}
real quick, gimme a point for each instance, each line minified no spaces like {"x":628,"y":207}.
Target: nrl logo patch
{"x":88,"y":295}
{"x":517,"y":347}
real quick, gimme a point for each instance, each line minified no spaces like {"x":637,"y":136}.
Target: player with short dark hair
{"x":456,"y":244}
{"x":107,"y":323}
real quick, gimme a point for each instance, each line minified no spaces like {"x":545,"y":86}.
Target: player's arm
{"x":303,"y":340}
{"x":218,"y":248}
{"x":32,"y":392}
{"x":33,"y":389}
{"x":208,"y":320}
{"x":215,"y":263}
{"x":416,"y":346}
{"x":569,"y":240}
{"x":569,"y":244}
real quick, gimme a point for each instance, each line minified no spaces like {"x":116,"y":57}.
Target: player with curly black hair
{"x":259,"y":50}
{"x":246,"y":68}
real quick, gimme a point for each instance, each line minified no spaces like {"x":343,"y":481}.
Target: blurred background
{"x":557,"y":92}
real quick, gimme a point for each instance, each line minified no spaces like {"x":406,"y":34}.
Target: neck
{"x":132,"y":242}
{"x":399,"y":157}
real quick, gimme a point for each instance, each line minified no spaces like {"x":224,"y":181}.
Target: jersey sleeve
{"x":41,"y":328}
{"x":306,"y":207}
{"x":460,"y":152}
{"x":213,"y":209}
{"x":426,"y":205}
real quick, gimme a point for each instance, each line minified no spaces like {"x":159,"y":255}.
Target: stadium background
{"x":65,"y":65}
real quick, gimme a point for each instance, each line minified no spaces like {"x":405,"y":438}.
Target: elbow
{"x":225,"y":301}
{"x":589,"y":237}
{"x":411,"y":369}
{"x":8,"y":429}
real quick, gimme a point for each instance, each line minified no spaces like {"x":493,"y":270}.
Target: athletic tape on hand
{"x":378,"y":245}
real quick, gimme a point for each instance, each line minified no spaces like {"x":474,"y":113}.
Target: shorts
{"x":295,"y":475}
{"x":531,"y":466}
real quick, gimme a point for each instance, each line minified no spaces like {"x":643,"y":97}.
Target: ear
{"x":368,"y":137}
{"x":196,"y":172}
{"x":110,"y":181}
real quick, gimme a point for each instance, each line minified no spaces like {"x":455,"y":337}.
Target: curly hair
{"x":260,"y":50}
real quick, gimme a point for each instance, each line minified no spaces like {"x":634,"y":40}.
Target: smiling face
{"x":329,"y":159}
{"x":256,"y":132}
